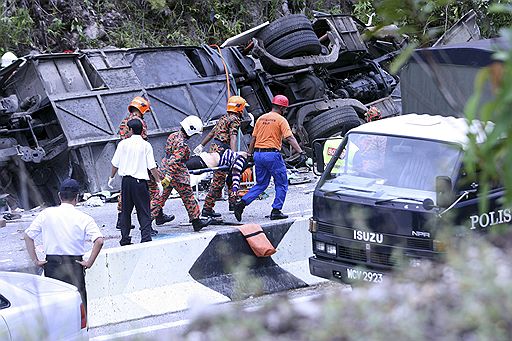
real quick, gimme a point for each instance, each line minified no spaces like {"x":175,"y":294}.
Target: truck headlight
{"x":313,"y":225}
{"x":331,"y":249}
{"x":320,"y":246}
{"x":439,"y":246}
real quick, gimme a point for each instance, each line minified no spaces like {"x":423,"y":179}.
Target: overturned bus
{"x":60,"y":113}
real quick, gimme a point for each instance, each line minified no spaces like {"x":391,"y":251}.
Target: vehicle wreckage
{"x":59,"y":113}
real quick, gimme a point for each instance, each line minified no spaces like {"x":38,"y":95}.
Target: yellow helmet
{"x":236,"y":104}
{"x":139,"y":103}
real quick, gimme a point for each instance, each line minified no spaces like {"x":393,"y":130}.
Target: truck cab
{"x":389,"y":191}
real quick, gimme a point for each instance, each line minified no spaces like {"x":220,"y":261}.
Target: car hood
{"x":34,"y":284}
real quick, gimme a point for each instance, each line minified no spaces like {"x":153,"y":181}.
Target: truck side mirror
{"x":444,"y":191}
{"x":318,"y":156}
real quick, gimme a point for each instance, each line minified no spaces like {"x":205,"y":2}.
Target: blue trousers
{"x":269,"y":164}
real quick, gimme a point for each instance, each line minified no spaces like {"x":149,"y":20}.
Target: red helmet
{"x":280,"y":100}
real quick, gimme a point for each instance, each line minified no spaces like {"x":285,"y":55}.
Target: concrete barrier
{"x":168,"y":275}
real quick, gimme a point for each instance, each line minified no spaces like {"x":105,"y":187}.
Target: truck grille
{"x":402,"y":241}
{"x":382,"y":258}
{"x":351,"y":253}
{"x":422,"y":244}
{"x":326,"y":228}
{"x":359,"y":255}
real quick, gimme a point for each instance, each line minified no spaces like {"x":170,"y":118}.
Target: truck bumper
{"x":346,"y":273}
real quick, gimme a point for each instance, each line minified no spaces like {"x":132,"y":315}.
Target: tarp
{"x":440,"y":80}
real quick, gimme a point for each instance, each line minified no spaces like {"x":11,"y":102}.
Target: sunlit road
{"x":172,"y":326}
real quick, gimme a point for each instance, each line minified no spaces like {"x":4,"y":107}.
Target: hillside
{"x":59,"y":25}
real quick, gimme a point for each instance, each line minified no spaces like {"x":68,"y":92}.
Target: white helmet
{"x":251,"y":116}
{"x":192,"y":125}
{"x":7,"y":59}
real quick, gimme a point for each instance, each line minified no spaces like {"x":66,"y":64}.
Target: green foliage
{"x":56,"y":27}
{"x":425,"y":20}
{"x":363,"y":10}
{"x":157,"y":5}
{"x":494,"y":155}
{"x":15,"y":30}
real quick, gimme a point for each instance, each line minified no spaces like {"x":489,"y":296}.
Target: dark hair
{"x":67,"y":195}
{"x":136,"y":126}
{"x":278,"y":107}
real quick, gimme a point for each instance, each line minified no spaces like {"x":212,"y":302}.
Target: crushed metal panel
{"x":83,"y":120}
{"x":61,"y":75}
{"x":156,"y":67}
{"x":116,"y":105}
{"x":119,"y":78}
{"x":464,"y":30}
{"x":26,"y":83}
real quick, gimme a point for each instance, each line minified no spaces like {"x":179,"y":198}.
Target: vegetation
{"x":57,"y":25}
{"x":467,"y":298}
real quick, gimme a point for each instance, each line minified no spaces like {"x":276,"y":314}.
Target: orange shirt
{"x":270,"y":129}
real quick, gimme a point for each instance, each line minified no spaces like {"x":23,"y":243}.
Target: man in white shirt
{"x":64,"y":229}
{"x":132,"y":159}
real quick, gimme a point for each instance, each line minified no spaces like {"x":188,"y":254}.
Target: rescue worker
{"x":137,"y":108}
{"x":133,"y":158}
{"x":266,"y":143}
{"x":177,"y":153}
{"x":224,"y":136}
{"x":64,"y":229}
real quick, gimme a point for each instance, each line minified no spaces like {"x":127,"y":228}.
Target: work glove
{"x":110,"y":182}
{"x":198,"y":149}
{"x":160,"y":188}
{"x":166,"y":181}
{"x":302,"y":159}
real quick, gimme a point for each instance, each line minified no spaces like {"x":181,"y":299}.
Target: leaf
{"x":399,"y":61}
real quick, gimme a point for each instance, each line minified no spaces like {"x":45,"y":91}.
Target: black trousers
{"x":64,"y":268}
{"x":195,"y":162}
{"x":135,"y":193}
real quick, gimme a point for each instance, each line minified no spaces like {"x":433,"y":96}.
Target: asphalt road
{"x":172,"y":326}
{"x":13,"y":256}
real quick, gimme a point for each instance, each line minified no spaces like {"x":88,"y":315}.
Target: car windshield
{"x":387,"y":167}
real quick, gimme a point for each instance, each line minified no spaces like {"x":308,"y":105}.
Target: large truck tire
{"x":299,"y":43}
{"x":284,"y":26}
{"x":333,"y":121}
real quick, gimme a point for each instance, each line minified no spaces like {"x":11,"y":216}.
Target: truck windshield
{"x":391,"y":166}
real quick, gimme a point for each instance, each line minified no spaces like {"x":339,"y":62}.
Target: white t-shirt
{"x":133,"y":157}
{"x":64,"y":230}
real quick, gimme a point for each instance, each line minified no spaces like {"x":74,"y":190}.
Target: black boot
{"x":208,"y":212}
{"x":118,"y":224}
{"x":198,"y":223}
{"x":125,"y":241}
{"x":162,"y":218}
{"x":277,"y":214}
{"x":232,"y":206}
{"x":239,"y":209}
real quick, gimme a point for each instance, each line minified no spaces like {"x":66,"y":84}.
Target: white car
{"x":40,"y":308}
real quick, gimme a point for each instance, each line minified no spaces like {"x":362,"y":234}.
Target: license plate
{"x":365,"y":276}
